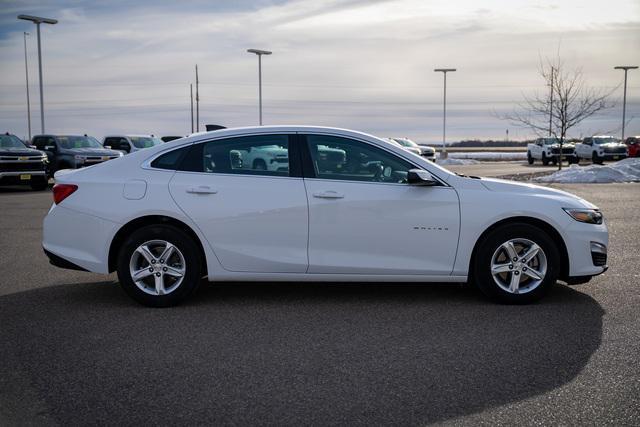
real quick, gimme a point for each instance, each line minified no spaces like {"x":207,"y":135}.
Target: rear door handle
{"x":201,"y":190}
{"x":330,"y":194}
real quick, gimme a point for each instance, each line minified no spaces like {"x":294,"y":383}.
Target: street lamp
{"x":444,"y":71}
{"x":624,"y":102}
{"x":38,"y":20}
{"x":26,"y":72}
{"x":259,"y":52}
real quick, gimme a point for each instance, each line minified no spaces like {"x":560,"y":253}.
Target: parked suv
{"x":20,"y":164}
{"x":633,"y":146}
{"x":72,"y":151}
{"x":420,"y":150}
{"x":601,"y":148}
{"x":130,"y":143}
{"x":548,"y":150}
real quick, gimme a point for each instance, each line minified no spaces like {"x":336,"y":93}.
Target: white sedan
{"x":166,"y":217}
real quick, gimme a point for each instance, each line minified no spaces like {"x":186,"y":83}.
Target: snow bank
{"x":490,"y":155}
{"x":455,"y":162}
{"x":627,"y":170}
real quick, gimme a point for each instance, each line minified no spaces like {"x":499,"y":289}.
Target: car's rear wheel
{"x":516,"y":264}
{"x":529,"y":158}
{"x":159,"y":266}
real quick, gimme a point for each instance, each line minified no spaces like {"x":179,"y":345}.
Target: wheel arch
{"x":548,"y":228}
{"x":128,"y":228}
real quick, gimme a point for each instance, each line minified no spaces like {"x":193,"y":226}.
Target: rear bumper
{"x":77,"y":240}
{"x":60,"y":262}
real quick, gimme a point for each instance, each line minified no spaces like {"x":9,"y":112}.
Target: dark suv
{"x":73,"y":151}
{"x":20,"y":164}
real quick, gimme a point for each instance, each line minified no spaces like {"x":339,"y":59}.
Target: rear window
{"x":170,"y":160}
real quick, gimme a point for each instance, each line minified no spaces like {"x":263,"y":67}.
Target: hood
{"x":14,"y":151}
{"x":504,"y":186}
{"x":88,"y":151}
{"x":612,"y":145}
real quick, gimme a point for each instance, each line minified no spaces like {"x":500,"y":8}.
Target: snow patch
{"x":627,"y":170}
{"x":490,"y":155}
{"x":455,"y":162}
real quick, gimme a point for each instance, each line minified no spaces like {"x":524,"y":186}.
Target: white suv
{"x":130,"y":143}
{"x":548,"y":150}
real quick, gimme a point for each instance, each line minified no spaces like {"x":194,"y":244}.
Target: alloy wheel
{"x":157,"y":267}
{"x":518,"y":266}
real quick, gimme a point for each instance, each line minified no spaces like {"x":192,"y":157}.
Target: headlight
{"x":590,"y":216}
{"x":79,"y":159}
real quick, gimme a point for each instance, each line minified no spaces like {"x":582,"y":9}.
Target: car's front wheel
{"x":516,"y":264}
{"x":545,"y":159}
{"x":159,"y":266}
{"x":597,"y":160}
{"x":529,"y":158}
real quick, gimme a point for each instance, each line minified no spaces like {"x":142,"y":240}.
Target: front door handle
{"x":203,"y":189}
{"x":330,"y":194}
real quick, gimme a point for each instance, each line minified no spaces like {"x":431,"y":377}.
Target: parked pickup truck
{"x":20,"y":164}
{"x":548,"y":151}
{"x":601,"y":148}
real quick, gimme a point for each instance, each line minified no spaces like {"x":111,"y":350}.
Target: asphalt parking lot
{"x":76,"y":350}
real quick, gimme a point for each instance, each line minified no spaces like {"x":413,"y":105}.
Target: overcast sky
{"x":125,"y":66}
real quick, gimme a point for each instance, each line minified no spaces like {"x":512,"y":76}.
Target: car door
{"x":365,"y":219}
{"x":255,"y":220}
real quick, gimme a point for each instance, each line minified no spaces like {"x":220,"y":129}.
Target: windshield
{"x":405,"y":142}
{"x":550,"y":141}
{"x":10,"y":141}
{"x":605,"y":140}
{"x":144,"y":141}
{"x":70,"y":142}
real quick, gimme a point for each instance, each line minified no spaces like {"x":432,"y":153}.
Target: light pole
{"x":38,"y":20}
{"x":624,"y":101}
{"x":259,"y":52}
{"x":26,"y":72}
{"x":191,"y":89}
{"x":444,"y":71}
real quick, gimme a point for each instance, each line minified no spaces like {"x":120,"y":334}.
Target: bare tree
{"x":568,"y":102}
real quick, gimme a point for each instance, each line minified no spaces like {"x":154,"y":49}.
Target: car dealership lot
{"x":77,"y":350}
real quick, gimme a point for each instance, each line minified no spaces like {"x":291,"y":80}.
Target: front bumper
{"x":614,"y":156}
{"x":19,"y":177}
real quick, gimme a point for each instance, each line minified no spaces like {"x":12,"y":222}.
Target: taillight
{"x":62,"y":191}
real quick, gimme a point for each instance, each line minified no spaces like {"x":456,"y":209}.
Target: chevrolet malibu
{"x":166,"y":217}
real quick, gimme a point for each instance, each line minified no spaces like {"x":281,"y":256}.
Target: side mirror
{"x":107,"y":146}
{"x":50,"y":148}
{"x":420,"y":177}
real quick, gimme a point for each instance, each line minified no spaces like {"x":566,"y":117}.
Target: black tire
{"x":545,"y":159}
{"x":597,"y":159}
{"x":486,"y":249}
{"x":554,"y":161}
{"x":192,"y":265}
{"x":259,"y":164}
{"x":529,"y":158}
